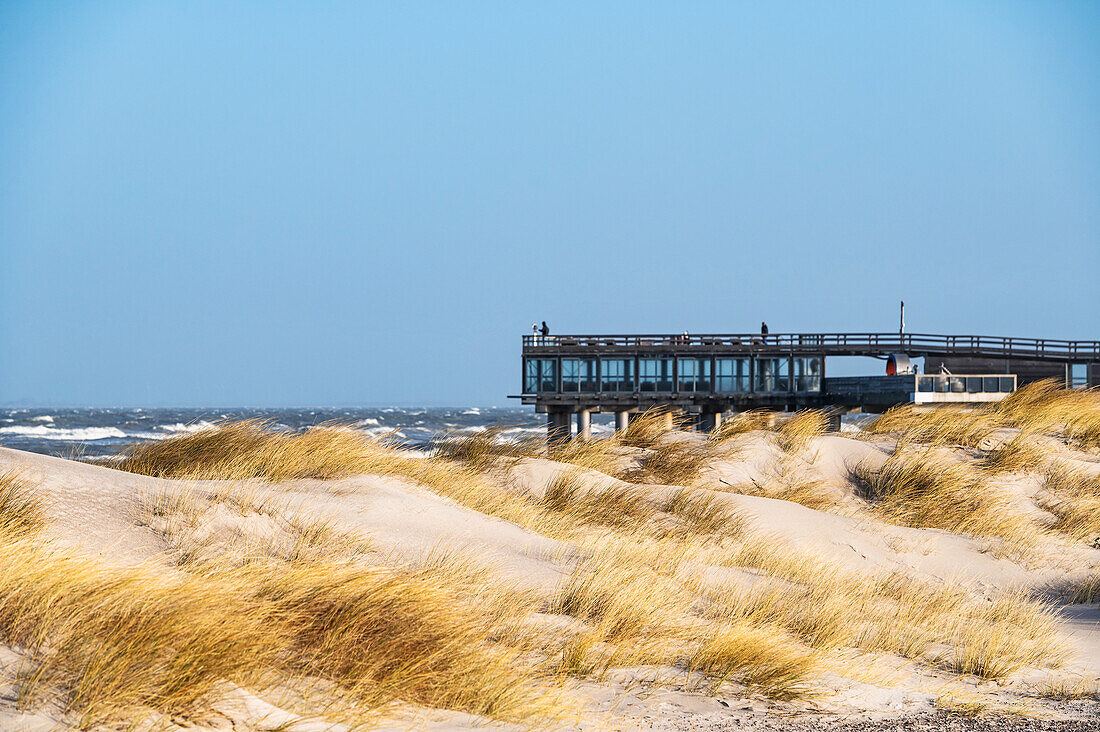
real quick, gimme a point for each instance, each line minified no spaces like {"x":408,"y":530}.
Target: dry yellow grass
{"x":113,"y":644}
{"x":796,"y":432}
{"x":760,"y":657}
{"x":21,"y":512}
{"x":249,"y":449}
{"x":923,"y":488}
{"x":117,"y":644}
{"x":1018,"y":455}
{"x":741,"y":423}
{"x":1074,"y":498}
{"x":647,"y":428}
{"x":950,"y":425}
{"x":1047,"y":407}
{"x":637,"y":589}
{"x":670,"y":463}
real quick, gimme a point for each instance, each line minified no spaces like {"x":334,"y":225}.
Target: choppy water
{"x":101,"y":432}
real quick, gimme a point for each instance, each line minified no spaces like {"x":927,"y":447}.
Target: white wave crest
{"x":83,"y":434}
{"x":189,"y":427}
{"x":43,"y":418}
{"x":368,"y":422}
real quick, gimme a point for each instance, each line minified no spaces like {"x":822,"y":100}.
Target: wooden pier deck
{"x":709,"y":374}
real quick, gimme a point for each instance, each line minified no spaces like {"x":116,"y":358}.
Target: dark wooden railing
{"x":854,"y":344}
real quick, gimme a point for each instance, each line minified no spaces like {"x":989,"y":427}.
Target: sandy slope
{"x":93,"y":509}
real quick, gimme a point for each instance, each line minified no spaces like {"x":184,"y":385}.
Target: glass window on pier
{"x":578,"y":375}
{"x":693,"y":374}
{"x":807,"y":374}
{"x":539,"y":375}
{"x":617,"y":374}
{"x":731,"y":375}
{"x":771,"y":374}
{"x":655,"y":374}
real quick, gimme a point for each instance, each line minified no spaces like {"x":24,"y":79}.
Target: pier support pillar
{"x":584,"y":424}
{"x":622,"y":421}
{"x":833,"y":415}
{"x":669,"y":420}
{"x":558,"y":426}
{"x":708,"y":421}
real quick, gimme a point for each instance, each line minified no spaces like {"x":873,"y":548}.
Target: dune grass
{"x":637,"y":590}
{"x":647,"y":428}
{"x":926,"y":488}
{"x":795,"y":433}
{"x":250,"y":449}
{"x":742,"y":423}
{"x":1018,"y":455}
{"x":21,"y":512}
{"x":1041,"y":407}
{"x":1045,"y":406}
{"x":111,"y":644}
{"x":1074,"y":498}
{"x":948,"y":425}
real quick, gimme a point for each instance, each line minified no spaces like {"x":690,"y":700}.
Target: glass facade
{"x":540,"y":374}
{"x":578,"y":375}
{"x":965,"y":384}
{"x":731,"y":375}
{"x":654,"y":374}
{"x":1078,"y":375}
{"x":772,"y":374}
{"x":617,"y":374}
{"x":693,"y":374}
{"x":807,"y":374}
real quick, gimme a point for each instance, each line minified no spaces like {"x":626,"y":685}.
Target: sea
{"x":103,"y":433}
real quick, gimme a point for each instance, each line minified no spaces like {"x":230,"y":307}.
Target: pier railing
{"x":834,"y":344}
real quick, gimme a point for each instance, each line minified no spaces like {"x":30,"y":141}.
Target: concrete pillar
{"x":834,"y":415}
{"x":558,"y":424}
{"x":584,"y":424}
{"x":708,"y":421}
{"x":622,"y":421}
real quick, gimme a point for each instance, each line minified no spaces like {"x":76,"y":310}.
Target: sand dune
{"x":519,"y":543}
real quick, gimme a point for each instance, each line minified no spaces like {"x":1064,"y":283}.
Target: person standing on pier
{"x":763,"y":331}
{"x":545,"y":333}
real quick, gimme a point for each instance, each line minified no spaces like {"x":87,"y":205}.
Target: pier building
{"x":571,"y":377}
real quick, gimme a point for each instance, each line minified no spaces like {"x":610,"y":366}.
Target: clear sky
{"x":315,"y":203}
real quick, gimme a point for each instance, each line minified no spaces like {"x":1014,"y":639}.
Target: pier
{"x":571,"y":377}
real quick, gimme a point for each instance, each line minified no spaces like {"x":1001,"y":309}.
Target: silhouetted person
{"x":763,"y":331}
{"x":545,"y":329}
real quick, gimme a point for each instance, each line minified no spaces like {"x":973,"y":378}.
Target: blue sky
{"x":264,"y":203}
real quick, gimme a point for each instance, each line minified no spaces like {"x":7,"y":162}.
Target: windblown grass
{"x":610,"y":505}
{"x":647,"y":428}
{"x":796,"y":432}
{"x":483,"y":451}
{"x":672,"y":462}
{"x":21,"y":511}
{"x":1042,"y":407}
{"x":949,"y":425}
{"x":760,"y":657}
{"x":250,"y":449}
{"x":1018,"y":455}
{"x":927,"y":489}
{"x":637,"y":589}
{"x":1047,"y":407}
{"x":1074,"y":498}
{"x":742,"y":423}
{"x":112,"y":644}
